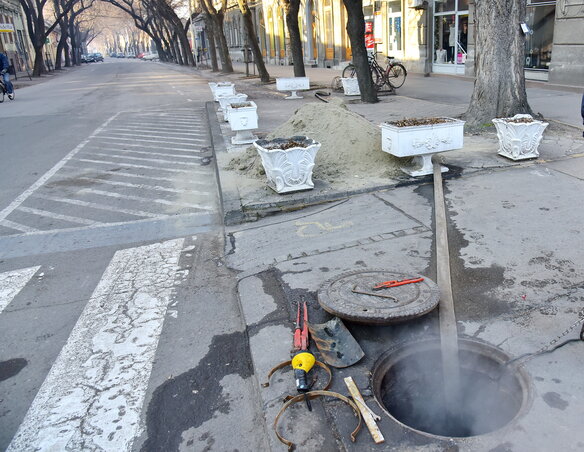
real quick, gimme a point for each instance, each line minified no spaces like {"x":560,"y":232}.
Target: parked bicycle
{"x":393,"y":75}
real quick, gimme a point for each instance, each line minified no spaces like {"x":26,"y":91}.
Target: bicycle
{"x":3,"y":91}
{"x":393,"y":75}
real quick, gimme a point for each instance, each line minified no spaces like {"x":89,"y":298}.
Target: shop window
{"x":442,"y":6}
{"x":538,"y":45}
{"x":444,"y":39}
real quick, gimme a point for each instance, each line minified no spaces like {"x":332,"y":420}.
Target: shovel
{"x":335,"y":343}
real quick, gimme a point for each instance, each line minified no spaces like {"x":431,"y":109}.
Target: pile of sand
{"x":351,"y":145}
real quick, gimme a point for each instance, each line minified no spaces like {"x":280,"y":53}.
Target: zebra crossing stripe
{"x":93,"y":395}
{"x":45,"y":177}
{"x":12,"y":282}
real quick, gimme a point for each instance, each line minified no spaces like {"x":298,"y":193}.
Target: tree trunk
{"x":39,"y":65}
{"x":356,"y":32}
{"x":226,"y":65}
{"x":499,"y":89}
{"x":211,"y":38}
{"x":60,"y":47}
{"x":252,"y":41}
{"x":292,"y":9}
{"x":186,"y":47}
{"x":67,"y":56}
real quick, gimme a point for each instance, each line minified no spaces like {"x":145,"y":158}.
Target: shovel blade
{"x":335,"y":343}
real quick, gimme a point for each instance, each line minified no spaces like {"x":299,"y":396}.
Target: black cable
{"x":525,"y":355}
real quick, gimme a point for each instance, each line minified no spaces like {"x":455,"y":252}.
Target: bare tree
{"x":252,"y":40}
{"x":356,"y":32}
{"x":216,"y":19}
{"x":499,"y":88}
{"x":292,"y":8}
{"x":39,"y":29}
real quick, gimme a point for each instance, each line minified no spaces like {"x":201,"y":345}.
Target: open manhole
{"x":408,"y":381}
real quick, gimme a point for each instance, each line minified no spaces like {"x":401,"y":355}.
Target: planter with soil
{"x":420,"y":138}
{"x":292,"y":84}
{"x":243,"y":117}
{"x":221,"y":89}
{"x":519,"y":136}
{"x":288,"y":162}
{"x":227,"y":99}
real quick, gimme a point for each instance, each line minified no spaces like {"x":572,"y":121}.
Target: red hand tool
{"x":386,"y":284}
{"x":301,"y":331}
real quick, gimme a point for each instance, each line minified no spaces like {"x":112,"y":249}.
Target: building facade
{"x":435,"y":36}
{"x":14,"y":40}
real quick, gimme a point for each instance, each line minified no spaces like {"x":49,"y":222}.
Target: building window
{"x":538,"y":43}
{"x":394,"y":26}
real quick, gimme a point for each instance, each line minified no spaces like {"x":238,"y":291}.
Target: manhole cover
{"x":351,"y":296}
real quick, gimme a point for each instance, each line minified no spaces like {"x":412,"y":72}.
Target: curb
{"x":228,"y":191}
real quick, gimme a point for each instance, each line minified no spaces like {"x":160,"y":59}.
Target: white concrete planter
{"x":225,"y":100}
{"x":421,"y":142}
{"x":243,"y":117}
{"x":351,"y":86}
{"x":292,"y":84}
{"x":221,"y":89}
{"x":288,"y":170}
{"x":519,"y":140}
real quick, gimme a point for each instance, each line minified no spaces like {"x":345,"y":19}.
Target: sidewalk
{"x":22,"y":79}
{"x":516,"y":276}
{"x":420,"y":96}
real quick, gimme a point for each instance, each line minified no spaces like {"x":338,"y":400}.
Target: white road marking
{"x":138,"y":186}
{"x":178,"y":140}
{"x":144,"y":159}
{"x":12,"y":282}
{"x":136,"y":129}
{"x":94,"y":393}
{"x":17,"y":226}
{"x":172,"y":170}
{"x":159,"y":178}
{"x":145,"y":141}
{"x":98,"y":206}
{"x":162,"y":154}
{"x":143,"y":146}
{"x":187,"y":126}
{"x":45,"y":177}
{"x":146,"y":200}
{"x":58,"y":216}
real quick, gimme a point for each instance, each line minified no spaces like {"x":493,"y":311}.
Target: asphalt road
{"x":111,"y":270}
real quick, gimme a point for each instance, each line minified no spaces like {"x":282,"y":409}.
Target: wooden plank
{"x":368,"y":415}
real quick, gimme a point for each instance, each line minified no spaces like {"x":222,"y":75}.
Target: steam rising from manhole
{"x":408,"y":383}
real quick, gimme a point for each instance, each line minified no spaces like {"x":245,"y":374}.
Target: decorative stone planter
{"x":292,"y":84}
{"x":221,"y":89}
{"x":288,"y":162}
{"x":519,"y":136}
{"x":225,"y":100}
{"x":421,"y":141}
{"x":351,"y":86}
{"x":243,"y":117}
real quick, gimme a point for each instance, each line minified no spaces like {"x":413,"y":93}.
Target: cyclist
{"x":4,"y":65}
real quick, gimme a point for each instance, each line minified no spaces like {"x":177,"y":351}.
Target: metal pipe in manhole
{"x":408,"y":382}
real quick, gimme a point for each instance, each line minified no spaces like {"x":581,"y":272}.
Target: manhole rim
{"x":470,"y":344}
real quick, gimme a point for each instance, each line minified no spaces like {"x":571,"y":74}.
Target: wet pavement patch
{"x":11,"y":367}
{"x":188,"y":400}
{"x":408,"y":383}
